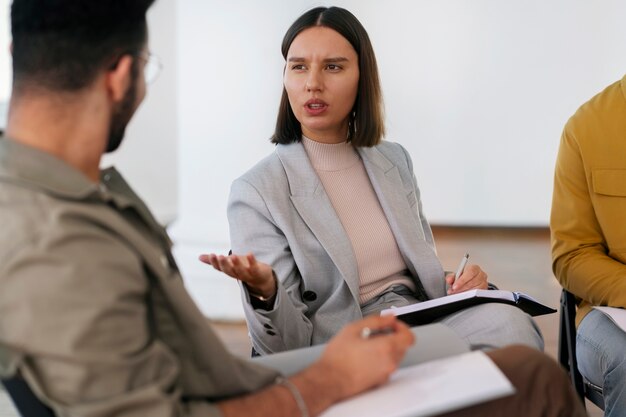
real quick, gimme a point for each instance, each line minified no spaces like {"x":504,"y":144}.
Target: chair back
{"x":26,"y":402}
{"x":567,"y":352}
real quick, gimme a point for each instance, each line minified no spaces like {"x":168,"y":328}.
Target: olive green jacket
{"x":93,"y":311}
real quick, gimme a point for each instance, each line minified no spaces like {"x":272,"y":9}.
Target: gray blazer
{"x":280,"y":211}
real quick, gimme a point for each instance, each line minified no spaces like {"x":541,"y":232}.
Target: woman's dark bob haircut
{"x":366,"y":126}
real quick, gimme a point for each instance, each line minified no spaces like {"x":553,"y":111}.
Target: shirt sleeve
{"x":252,"y":229}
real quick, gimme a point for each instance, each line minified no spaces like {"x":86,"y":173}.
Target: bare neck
{"x":72,"y":127}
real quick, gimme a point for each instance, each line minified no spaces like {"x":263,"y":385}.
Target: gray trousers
{"x":485,"y":327}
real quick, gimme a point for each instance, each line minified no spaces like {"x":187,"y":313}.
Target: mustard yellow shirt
{"x":588,"y":220}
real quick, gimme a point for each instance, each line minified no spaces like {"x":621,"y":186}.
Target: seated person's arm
{"x":348,"y":366}
{"x":253,"y":230}
{"x":579,"y":250}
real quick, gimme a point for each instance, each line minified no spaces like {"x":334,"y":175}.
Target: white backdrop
{"x":148,"y":155}
{"x":477,"y":91}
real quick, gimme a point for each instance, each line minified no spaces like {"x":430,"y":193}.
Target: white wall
{"x":229,"y":86}
{"x":477,"y":91}
{"x":228,"y":90}
{"x":148,"y":155}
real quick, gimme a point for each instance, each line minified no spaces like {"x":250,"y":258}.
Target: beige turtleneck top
{"x":350,"y":191}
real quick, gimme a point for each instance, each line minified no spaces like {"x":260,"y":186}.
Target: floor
{"x":515,"y":259}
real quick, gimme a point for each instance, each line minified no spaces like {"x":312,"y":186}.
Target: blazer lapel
{"x":314,"y":207}
{"x":419,"y":256}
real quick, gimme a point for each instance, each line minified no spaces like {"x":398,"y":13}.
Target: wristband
{"x":295,"y":393}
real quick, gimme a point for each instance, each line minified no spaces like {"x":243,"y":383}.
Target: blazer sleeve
{"x":580,"y":257}
{"x":252,"y":229}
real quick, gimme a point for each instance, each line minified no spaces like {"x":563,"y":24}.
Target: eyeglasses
{"x":152,"y":68}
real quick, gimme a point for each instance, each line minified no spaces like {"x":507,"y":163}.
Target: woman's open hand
{"x":258,"y":277}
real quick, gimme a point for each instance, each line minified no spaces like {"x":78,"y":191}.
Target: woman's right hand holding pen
{"x":467,"y":277}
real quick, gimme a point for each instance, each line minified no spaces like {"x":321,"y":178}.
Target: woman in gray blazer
{"x":333,"y":216}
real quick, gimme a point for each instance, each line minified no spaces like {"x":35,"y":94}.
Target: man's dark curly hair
{"x":61,"y":45}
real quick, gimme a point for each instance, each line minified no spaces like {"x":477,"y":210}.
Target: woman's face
{"x":321,"y":79}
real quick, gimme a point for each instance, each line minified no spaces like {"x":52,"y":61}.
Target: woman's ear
{"x":119,"y":78}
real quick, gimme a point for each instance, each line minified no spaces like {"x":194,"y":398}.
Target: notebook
{"x":427,"y":311}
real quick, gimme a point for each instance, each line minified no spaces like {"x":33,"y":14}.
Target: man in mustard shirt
{"x":588,"y":225}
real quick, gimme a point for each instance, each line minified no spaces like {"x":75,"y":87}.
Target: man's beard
{"x":121,"y":116}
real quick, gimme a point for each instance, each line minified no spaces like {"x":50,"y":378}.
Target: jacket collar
{"x":418,"y":254}
{"x":39,"y":169}
{"x":302,"y":178}
{"x":312,"y":203}
{"x":30,"y":167}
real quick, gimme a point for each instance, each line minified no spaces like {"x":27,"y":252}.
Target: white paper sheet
{"x":430,"y":388}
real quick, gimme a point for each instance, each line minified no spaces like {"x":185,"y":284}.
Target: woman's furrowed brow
{"x":332,"y":60}
{"x":336,"y":59}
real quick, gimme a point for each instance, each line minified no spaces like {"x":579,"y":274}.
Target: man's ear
{"x":119,"y":78}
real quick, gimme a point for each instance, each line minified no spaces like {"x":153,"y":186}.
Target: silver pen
{"x":368,"y":332}
{"x":461,"y":267}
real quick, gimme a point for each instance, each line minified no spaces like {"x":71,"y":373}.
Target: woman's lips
{"x":315,"y":107}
